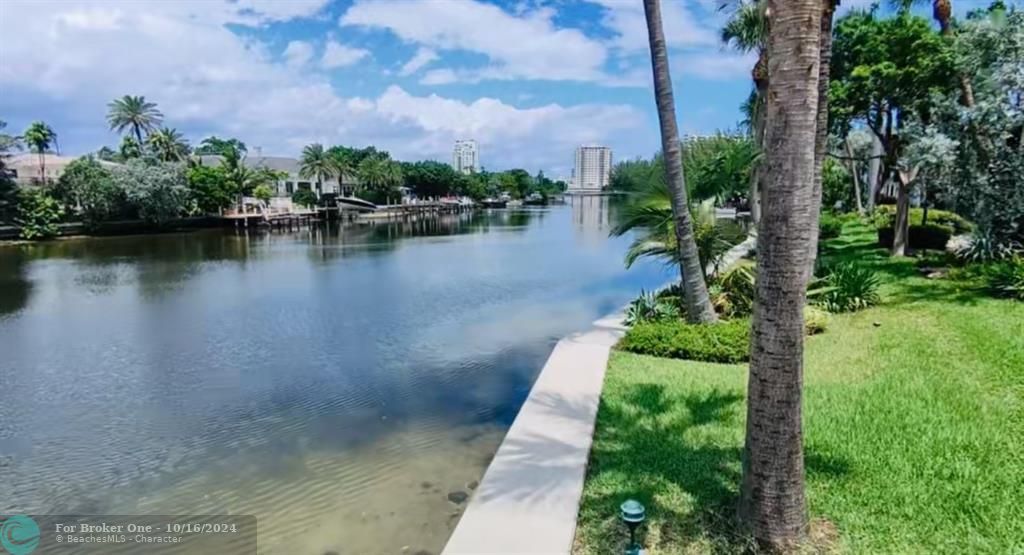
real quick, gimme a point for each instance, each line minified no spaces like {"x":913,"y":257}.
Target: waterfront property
{"x":346,"y":384}
{"x":592,"y":169}
{"x":466,"y":156}
{"x":911,"y":427}
{"x":26,"y":169}
{"x":291,"y":179}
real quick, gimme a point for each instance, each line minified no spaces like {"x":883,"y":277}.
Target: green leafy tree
{"x":8,"y":188}
{"x":379,"y":177}
{"x":210,"y":189}
{"x":38,"y":214}
{"x":885,"y":74}
{"x":217,"y":146}
{"x":134,"y":114}
{"x":430,"y":179}
{"x":108,"y":154}
{"x":304,"y":197}
{"x":168,"y":145}
{"x":159,"y":191}
{"x":39,"y":136}
{"x":263,"y":192}
{"x":89,"y":188}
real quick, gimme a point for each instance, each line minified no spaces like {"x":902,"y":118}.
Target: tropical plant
{"x":815,"y":320}
{"x":725,"y":342}
{"x":747,"y":31}
{"x":772,"y":504}
{"x":39,"y":137}
{"x":38,"y":214}
{"x":829,"y":226}
{"x":736,"y":289}
{"x":379,"y":176}
{"x":695,"y":291}
{"x":316,"y":164}
{"x":158,"y":191}
{"x":1006,"y":278}
{"x":168,"y":145}
{"x":129,"y":148}
{"x":135,"y":114}
{"x":849,"y":287}
{"x":650,"y":307}
{"x":984,"y":245}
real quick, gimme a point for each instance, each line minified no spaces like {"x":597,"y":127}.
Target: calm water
{"x":337,"y":383}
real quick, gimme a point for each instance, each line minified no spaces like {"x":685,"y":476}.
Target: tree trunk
{"x":42,"y":167}
{"x":875,"y":169}
{"x":772,"y":503}
{"x":901,"y":226}
{"x":821,"y":117}
{"x":695,"y":291}
{"x":856,"y":178}
{"x":757,"y":172}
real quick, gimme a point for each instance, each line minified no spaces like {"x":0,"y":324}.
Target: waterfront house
{"x":291,"y":181}
{"x":25,"y":170}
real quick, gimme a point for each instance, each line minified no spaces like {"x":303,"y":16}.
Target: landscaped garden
{"x":913,"y":423}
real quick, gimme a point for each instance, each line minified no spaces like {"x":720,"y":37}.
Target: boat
{"x":355,"y":202}
{"x":493,"y":203}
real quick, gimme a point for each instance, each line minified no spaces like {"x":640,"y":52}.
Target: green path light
{"x":632,"y":513}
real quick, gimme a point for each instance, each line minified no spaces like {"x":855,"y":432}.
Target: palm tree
{"x":772,"y":500}
{"x":379,"y":174}
{"x":168,"y":145}
{"x":343,"y":164}
{"x":39,"y":137}
{"x":747,"y":31}
{"x":316,"y":164}
{"x":134,"y":113}
{"x":695,"y":290}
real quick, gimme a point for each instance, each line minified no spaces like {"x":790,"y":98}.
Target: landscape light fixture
{"x":632,"y":513}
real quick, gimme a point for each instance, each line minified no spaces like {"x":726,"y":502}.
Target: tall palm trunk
{"x":695,"y":291}
{"x":772,"y":502}
{"x":821,"y":121}
{"x":942,"y":11}
{"x":760,"y":76}
{"x":138,"y":136}
{"x":42,"y":167}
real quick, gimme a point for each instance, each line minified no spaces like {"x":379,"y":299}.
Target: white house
{"x":25,"y":168}
{"x":292,"y":181}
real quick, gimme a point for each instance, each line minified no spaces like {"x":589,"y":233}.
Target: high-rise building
{"x":593,"y":168}
{"x":465,"y":156}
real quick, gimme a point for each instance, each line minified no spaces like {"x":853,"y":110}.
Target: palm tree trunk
{"x":821,"y":123}
{"x":42,"y":167}
{"x":695,"y":291}
{"x":772,"y":501}
{"x":138,"y":137}
{"x":757,"y":173}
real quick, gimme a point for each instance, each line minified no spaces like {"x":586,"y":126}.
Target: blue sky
{"x":529,"y":80}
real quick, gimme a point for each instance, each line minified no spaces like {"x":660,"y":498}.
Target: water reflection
{"x":338,"y":382}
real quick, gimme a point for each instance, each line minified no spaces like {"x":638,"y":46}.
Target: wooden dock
{"x":280,"y":219}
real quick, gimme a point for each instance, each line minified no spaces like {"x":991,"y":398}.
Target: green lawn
{"x":913,"y":419}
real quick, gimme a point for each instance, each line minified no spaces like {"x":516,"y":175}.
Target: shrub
{"x":649,"y":307}
{"x":263,"y":192}
{"x":829,"y":226}
{"x":985,"y":246}
{"x":815,"y":320}
{"x":733,"y":292}
{"x":1006,"y":278}
{"x":304,"y":197}
{"x":930,"y":236}
{"x":727,"y":341}
{"x":38,"y":214}
{"x":885,"y":216}
{"x":848,"y":288}
{"x":157,"y":190}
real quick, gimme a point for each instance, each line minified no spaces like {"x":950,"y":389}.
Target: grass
{"x":913,"y":422}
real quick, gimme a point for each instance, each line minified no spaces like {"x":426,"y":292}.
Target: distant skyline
{"x":529,"y":80}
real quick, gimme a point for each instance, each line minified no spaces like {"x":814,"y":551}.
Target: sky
{"x":528,"y":80}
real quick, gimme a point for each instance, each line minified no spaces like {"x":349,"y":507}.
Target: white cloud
{"x":338,"y":55}
{"x":298,"y":53}
{"x":217,"y":82}
{"x":419,"y":60}
{"x":528,"y":46}
{"x":440,"y":77}
{"x":721,"y":65}
{"x":681,"y":26}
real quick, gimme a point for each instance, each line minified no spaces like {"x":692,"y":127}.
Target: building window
{"x":289,"y":187}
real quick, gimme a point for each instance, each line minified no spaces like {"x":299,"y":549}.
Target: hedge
{"x":931,"y":236}
{"x":727,"y":341}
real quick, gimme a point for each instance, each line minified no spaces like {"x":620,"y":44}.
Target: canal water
{"x":345,"y":385}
